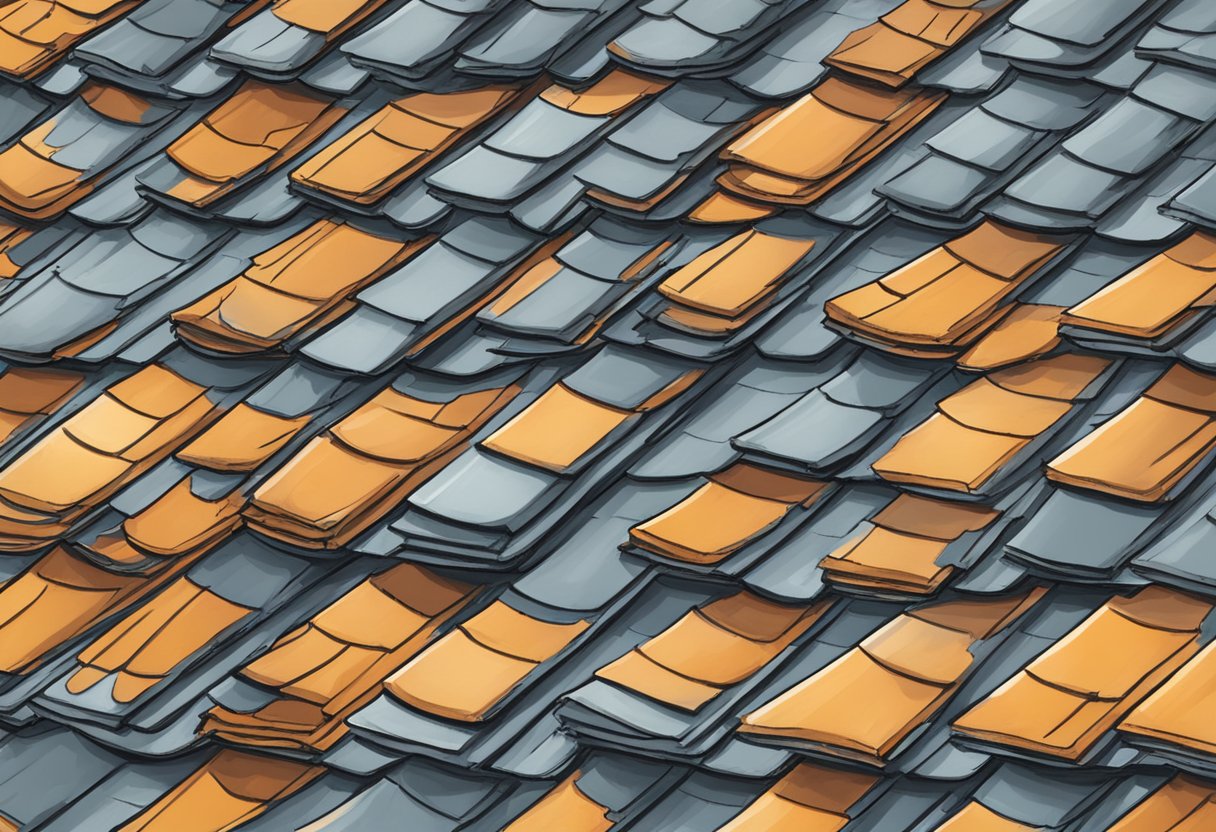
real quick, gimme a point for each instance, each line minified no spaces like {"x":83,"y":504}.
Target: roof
{"x":603,"y":414}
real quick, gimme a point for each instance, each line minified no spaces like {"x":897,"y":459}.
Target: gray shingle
{"x":268,"y":45}
{"x":366,"y":341}
{"x":1144,"y":135}
{"x":416,"y":36}
{"x":428,"y":284}
{"x":482,"y":490}
{"x":702,"y":803}
{"x":528,"y":35}
{"x":1085,"y":25}
{"x":791,"y":63}
{"x":156,"y":38}
{"x":1061,"y":185}
{"x":1082,"y":535}
{"x":939,"y":185}
{"x":19,"y":107}
{"x":1178,"y":89}
{"x":625,"y":378}
{"x":1038,"y":798}
{"x":1184,"y":34}
{"x":1140,"y":218}
{"x":586,"y":572}
{"x":543,"y":131}
{"x":415,"y":207}
{"x":121,"y":796}
{"x":1044,"y":103}
{"x":849,"y":412}
{"x":46,"y":769}
{"x":1060,"y":38}
{"x":101,"y":279}
{"x":487,"y":175}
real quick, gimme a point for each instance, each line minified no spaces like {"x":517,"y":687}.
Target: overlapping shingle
{"x":256,"y":130}
{"x":62,"y":159}
{"x":595,"y":414}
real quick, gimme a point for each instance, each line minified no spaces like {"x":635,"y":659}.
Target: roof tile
{"x":1065,"y":700}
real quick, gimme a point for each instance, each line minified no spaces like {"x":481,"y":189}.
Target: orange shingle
{"x":180,"y":522}
{"x":863,"y":705}
{"x":125,"y":431}
{"x":335,"y":663}
{"x":732,"y":277}
{"x":901,"y":552}
{"x":10,"y":236}
{"x":35,"y":33}
{"x":469,"y":671}
{"x":1178,"y":713}
{"x":388,"y":148}
{"x":1066,"y":699}
{"x":230,"y":789}
{"x":1156,"y":296}
{"x":722,"y":208}
{"x":614,"y":93}
{"x":908,"y":38}
{"x":734,"y":508}
{"x":557,"y":429}
{"x":1028,"y":331}
{"x":976,"y":817}
{"x":259,"y":128}
{"x":242,"y":440}
{"x":142,"y":649}
{"x":566,"y":807}
{"x":27,"y":394}
{"x":344,"y":480}
{"x":984,"y":426}
{"x":1184,"y":804}
{"x":328,"y":17}
{"x":811,"y":798}
{"x":1151,"y":445}
{"x":293,"y":287}
{"x":945,"y":300}
{"x":711,"y":648}
{"x":59,"y":598}
{"x":801,"y":153}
